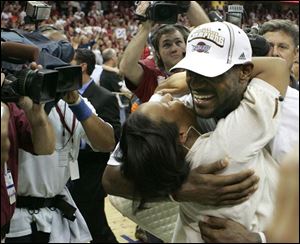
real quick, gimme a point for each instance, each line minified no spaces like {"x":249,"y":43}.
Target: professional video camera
{"x":21,"y":47}
{"x":41,"y":86}
{"x":163,"y":12}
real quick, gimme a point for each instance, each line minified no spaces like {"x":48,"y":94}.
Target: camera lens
{"x":39,"y":85}
{"x":25,"y":78}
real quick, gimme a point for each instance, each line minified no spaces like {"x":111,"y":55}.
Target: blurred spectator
{"x":110,"y":78}
{"x":284,"y":227}
{"x":283,"y":37}
{"x":115,"y":19}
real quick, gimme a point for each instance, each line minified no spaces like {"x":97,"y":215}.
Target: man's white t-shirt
{"x":241,"y":139}
{"x":286,"y":128}
{"x":46,"y":176}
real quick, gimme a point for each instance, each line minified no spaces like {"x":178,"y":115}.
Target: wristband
{"x":262,"y":237}
{"x":81,"y":110}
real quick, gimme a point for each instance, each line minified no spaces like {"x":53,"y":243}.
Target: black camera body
{"x":162,"y":12}
{"x":22,"y":47}
{"x":39,"y":85}
{"x":42,"y":86}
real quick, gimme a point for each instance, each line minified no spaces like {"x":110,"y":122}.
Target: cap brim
{"x":203,"y":66}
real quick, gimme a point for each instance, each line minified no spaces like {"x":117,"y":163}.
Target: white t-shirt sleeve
{"x":245,"y":131}
{"x":288,"y":133}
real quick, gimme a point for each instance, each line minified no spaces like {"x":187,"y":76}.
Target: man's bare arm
{"x":272,"y":70}
{"x":129,"y":65}
{"x":196,"y":14}
{"x":202,"y":185}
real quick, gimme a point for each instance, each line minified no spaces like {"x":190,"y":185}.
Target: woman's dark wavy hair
{"x":166,"y":29}
{"x":152,"y":157}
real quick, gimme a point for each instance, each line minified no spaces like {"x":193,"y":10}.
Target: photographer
{"x":169,"y":43}
{"x":45,"y":209}
{"x":29,"y":129}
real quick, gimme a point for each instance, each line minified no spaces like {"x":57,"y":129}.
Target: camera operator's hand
{"x":141,"y":8}
{"x":5,"y":143}
{"x":35,"y":66}
{"x":71,"y":97}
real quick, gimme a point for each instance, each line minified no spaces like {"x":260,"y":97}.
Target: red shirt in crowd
{"x":152,"y":77}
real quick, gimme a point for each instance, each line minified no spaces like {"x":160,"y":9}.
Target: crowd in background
{"x":98,"y":25}
{"x":108,"y":28}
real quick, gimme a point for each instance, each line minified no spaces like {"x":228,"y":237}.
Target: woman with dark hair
{"x":153,"y":155}
{"x":160,"y":144}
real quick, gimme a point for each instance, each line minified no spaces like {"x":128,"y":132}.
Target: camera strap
{"x":62,"y":119}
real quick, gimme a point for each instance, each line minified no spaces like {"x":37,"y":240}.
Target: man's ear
{"x":83,"y":67}
{"x":245,"y":73}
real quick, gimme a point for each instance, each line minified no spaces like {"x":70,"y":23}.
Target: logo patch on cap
{"x":201,"y":47}
{"x":242,"y":57}
{"x":208,"y":34}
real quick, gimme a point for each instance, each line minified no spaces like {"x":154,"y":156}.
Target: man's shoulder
{"x":99,"y":93}
{"x":99,"y":90}
{"x":108,"y":75}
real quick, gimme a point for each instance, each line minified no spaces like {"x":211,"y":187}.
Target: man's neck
{"x":109,"y":63}
{"x":85,"y":79}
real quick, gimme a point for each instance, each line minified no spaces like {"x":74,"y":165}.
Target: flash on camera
{"x":38,"y":10}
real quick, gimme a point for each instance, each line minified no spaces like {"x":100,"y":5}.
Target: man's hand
{"x":175,"y":85}
{"x":216,"y":230}
{"x":205,"y":187}
{"x":142,"y":8}
{"x":71,"y":97}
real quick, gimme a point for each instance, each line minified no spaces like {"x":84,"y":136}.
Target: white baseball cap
{"x":213,"y":48}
